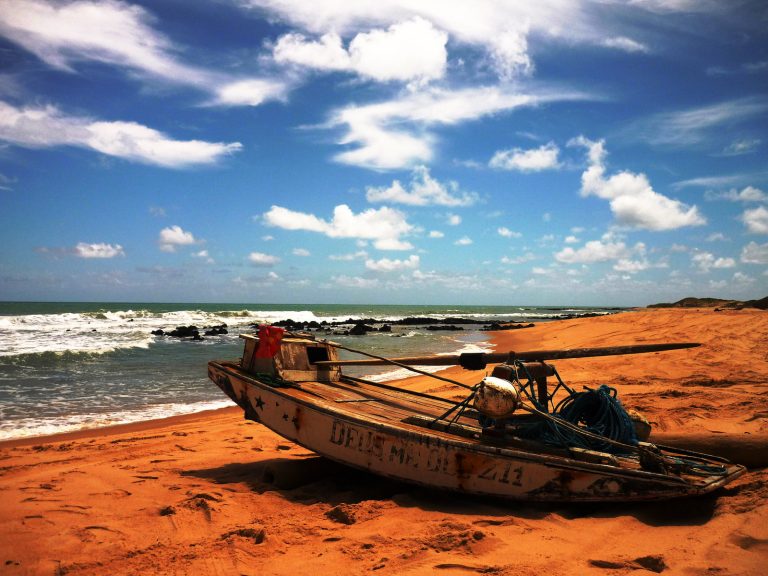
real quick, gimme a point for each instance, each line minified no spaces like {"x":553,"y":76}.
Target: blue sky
{"x":485,"y":152}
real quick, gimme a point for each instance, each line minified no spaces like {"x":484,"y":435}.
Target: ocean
{"x":70,"y":366}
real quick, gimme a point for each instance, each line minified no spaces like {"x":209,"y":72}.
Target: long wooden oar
{"x":481,"y":359}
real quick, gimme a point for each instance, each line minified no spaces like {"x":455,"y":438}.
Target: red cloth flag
{"x":269,"y":341}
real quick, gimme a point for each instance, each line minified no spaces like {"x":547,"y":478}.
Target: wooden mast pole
{"x":482,"y":359}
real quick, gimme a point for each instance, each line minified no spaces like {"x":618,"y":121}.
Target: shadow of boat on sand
{"x":314,"y":479}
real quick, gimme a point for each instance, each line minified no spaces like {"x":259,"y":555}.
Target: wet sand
{"x":211,"y":493}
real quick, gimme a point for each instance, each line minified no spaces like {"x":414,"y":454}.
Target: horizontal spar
{"x":479,"y":360}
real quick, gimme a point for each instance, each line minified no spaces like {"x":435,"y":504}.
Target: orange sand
{"x":214,"y":494}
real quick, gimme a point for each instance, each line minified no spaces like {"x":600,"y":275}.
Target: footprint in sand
{"x":257,"y":535}
{"x":652,"y":563}
{"x":117,"y":493}
{"x":91,"y":533}
{"x":746,"y":542}
{"x":36,"y":519}
{"x":67,"y":511}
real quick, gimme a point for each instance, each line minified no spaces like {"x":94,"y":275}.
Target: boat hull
{"x":420,"y":456}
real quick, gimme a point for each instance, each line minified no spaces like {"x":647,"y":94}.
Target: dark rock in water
{"x":445,"y":327}
{"x":358,"y":321}
{"x":216,"y":330}
{"x":360,"y":329}
{"x":496,"y":326}
{"x":158,"y":332}
{"x":287,"y":323}
{"x":423,"y":321}
{"x":183,"y":332}
{"x":386,"y":326}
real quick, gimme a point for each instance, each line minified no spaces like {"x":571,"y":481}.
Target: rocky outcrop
{"x":717,"y":303}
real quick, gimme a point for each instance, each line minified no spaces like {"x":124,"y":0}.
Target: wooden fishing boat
{"x":503,"y":440}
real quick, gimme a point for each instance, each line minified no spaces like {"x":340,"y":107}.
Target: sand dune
{"x":213,"y":494}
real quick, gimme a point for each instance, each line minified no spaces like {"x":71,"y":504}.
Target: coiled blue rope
{"x":598,"y":411}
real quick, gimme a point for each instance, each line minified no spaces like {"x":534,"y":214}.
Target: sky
{"x":558,"y":152}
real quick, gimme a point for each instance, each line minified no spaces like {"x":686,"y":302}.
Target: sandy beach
{"x":213,"y":494}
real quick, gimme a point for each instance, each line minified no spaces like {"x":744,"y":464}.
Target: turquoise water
{"x":67,"y":366}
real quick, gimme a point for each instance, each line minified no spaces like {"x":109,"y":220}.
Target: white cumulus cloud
{"x":98,"y":250}
{"x":327,"y":53}
{"x":385,"y":226}
{"x":387,"y":265}
{"x":301,"y":252}
{"x":248,"y":92}
{"x":499,"y":28}
{"x":133,"y":141}
{"x":409,"y":51}
{"x":507,"y":233}
{"x":630,"y":266}
{"x":63,"y":34}
{"x":754,"y":253}
{"x":756,"y":220}
{"x":704,"y":261}
{"x":396,"y":133}
{"x":262,"y":259}
{"x":175,"y":236}
{"x":593,"y":251}
{"x":746,"y":194}
{"x":423,"y":191}
{"x":463,"y":241}
{"x":60,"y":33}
{"x":46,"y":127}
{"x":533,"y":160}
{"x":633,"y":201}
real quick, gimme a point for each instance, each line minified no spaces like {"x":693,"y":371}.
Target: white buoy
{"x":496,"y":397}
